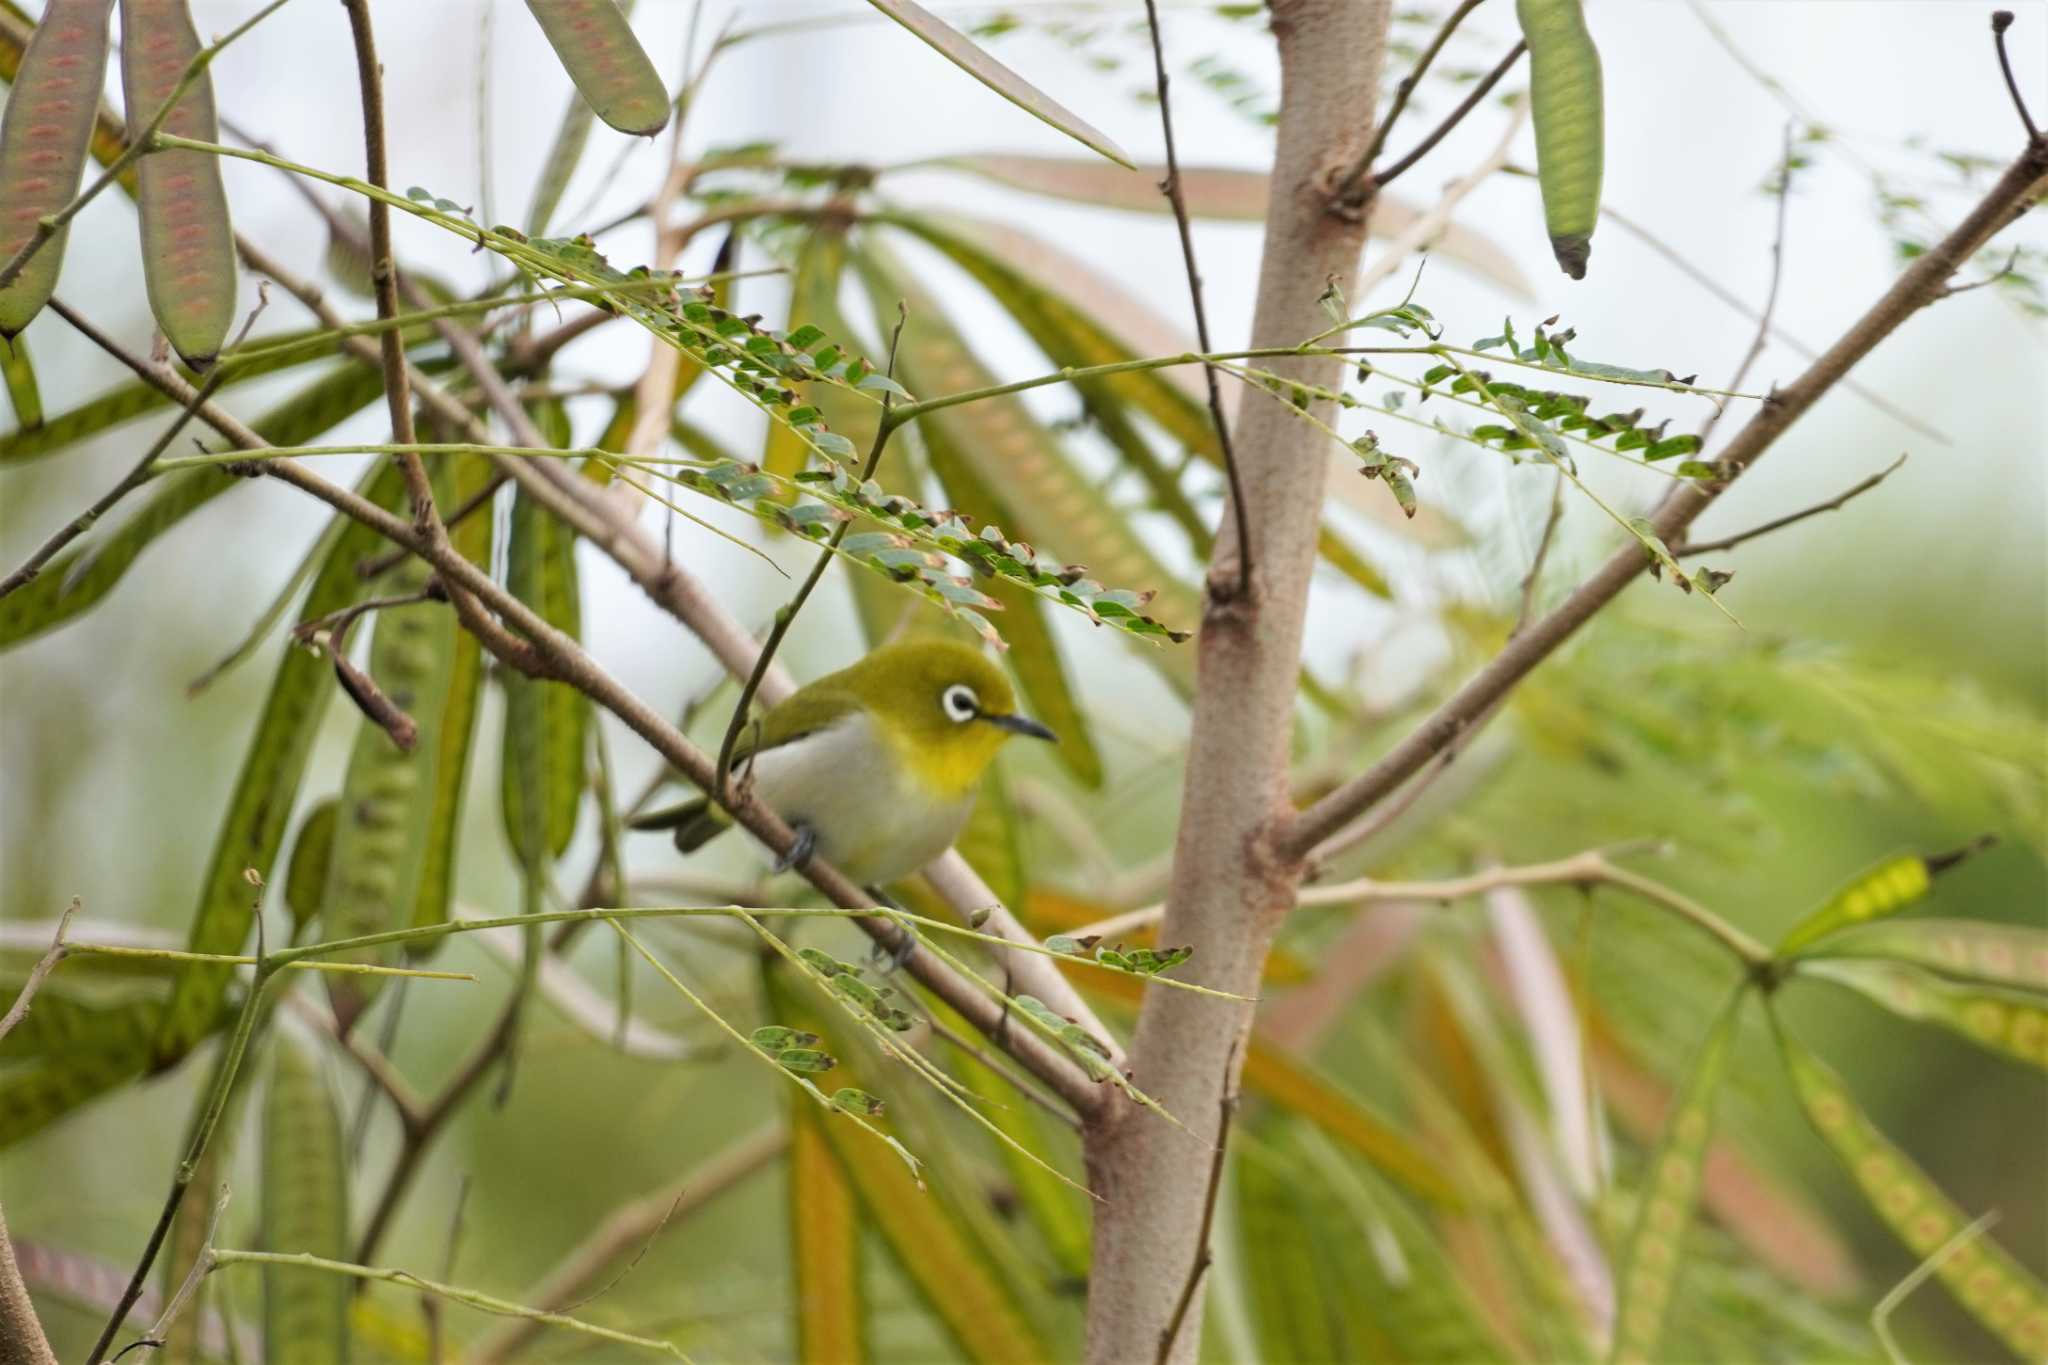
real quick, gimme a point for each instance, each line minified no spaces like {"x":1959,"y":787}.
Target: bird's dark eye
{"x":960,"y":703}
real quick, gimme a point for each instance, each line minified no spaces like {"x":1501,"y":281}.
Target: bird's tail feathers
{"x":695,"y":822}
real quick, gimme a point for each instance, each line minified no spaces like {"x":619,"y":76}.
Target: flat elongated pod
{"x":1566,"y":107}
{"x":188,"y":246}
{"x":43,"y":144}
{"x":597,"y":48}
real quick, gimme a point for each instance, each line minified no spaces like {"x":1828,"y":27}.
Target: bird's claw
{"x":800,"y":850}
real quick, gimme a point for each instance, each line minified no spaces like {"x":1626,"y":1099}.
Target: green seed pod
{"x":188,"y":247}
{"x":597,"y":48}
{"x":43,"y":144}
{"x":1565,"y":104}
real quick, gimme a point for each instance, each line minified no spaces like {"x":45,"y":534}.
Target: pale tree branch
{"x":21,"y":1332}
{"x":37,"y":974}
{"x":1594,"y":867}
{"x":1230,"y":885}
{"x":1917,"y":286}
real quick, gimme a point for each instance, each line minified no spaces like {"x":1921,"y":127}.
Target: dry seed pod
{"x":597,"y":48}
{"x":44,"y":141}
{"x":188,"y":247}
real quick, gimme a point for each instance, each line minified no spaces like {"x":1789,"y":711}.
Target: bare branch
{"x":1770,"y":309}
{"x":46,"y":964}
{"x":383,"y":270}
{"x":1834,"y":504}
{"x":1721,"y":292}
{"x":1382,"y":179}
{"x":1171,"y":188}
{"x":1595,"y":867}
{"x":1226,"y":1111}
{"x":21,"y":1333}
{"x":1911,"y":291}
{"x":2001,"y":20}
{"x":135,"y":478}
{"x":1354,"y":179}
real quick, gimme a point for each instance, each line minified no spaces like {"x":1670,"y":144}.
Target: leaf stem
{"x":202,"y":1136}
{"x":471,"y":1298}
{"x":1171,"y":188}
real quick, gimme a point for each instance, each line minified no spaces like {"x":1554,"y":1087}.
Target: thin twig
{"x":46,"y":964}
{"x":1355,"y":179}
{"x":377,"y":1068}
{"x":154,"y":1338}
{"x":1531,"y":579}
{"x":1591,"y":868}
{"x":786,"y":616}
{"x":143,"y":471}
{"x":2001,"y":20}
{"x":1906,"y":295}
{"x":378,"y":565}
{"x":1381,"y":179}
{"x":1720,"y":291}
{"x":1426,"y":227}
{"x":1833,"y":504}
{"x":383,"y":269}
{"x":1170,"y":187}
{"x":1226,"y":1111}
{"x":1763,"y":322}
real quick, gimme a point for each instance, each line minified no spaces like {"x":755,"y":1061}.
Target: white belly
{"x":846,"y":786}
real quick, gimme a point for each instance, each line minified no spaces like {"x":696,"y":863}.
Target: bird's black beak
{"x":1022,"y":725}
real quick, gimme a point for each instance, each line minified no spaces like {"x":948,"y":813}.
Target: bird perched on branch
{"x":875,"y":766}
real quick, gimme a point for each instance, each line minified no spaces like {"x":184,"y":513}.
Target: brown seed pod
{"x":43,"y":144}
{"x":188,"y":246}
{"x":597,"y":48}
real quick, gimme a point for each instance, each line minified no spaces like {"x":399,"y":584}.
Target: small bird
{"x":875,"y":766}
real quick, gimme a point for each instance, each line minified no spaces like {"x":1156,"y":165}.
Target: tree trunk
{"x":1230,"y":887}
{"x":21,"y":1333}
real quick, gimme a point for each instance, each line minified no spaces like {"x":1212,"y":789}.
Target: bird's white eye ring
{"x":960,"y":703}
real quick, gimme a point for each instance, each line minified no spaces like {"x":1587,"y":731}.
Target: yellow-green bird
{"x":875,"y":766}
